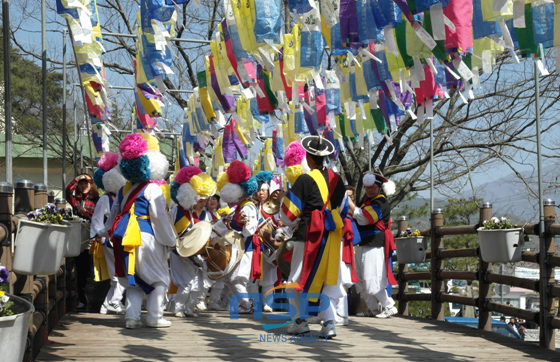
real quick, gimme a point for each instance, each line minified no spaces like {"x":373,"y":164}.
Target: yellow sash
{"x":100,"y":270}
{"x":132,"y":238}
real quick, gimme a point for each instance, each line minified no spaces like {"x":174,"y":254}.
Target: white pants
{"x":154,"y":303}
{"x":331,"y":291}
{"x":116,"y":291}
{"x":372,"y":276}
{"x":240,"y":279}
{"x":186,"y":299}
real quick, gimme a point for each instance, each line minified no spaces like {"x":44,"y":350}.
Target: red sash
{"x":117,"y":242}
{"x":387,"y":248}
{"x":348,"y":248}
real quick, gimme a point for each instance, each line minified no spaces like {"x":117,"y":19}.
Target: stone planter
{"x":411,"y":249}
{"x":13,"y":329}
{"x":39,"y":247}
{"x":500,"y":245}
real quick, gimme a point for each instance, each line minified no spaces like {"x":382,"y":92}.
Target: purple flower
{"x":3,"y":274}
{"x":409,"y":230}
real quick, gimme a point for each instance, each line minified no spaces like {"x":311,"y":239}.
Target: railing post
{"x":41,"y":197}
{"x":50,"y":196}
{"x":24,"y":196}
{"x":402,"y":224}
{"x":546,"y":337}
{"x":484,"y":290}
{"x":436,"y":264}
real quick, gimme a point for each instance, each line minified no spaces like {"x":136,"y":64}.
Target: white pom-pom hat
{"x":387,"y":186}
{"x":113,"y":180}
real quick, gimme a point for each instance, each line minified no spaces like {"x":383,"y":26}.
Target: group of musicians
{"x":313,"y":227}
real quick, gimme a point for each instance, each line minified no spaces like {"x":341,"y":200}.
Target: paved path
{"x":213,"y":336}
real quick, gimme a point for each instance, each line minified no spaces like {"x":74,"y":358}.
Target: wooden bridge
{"x":56,"y":332}
{"x":214,"y":336}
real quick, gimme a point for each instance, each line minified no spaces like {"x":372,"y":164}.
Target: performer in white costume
{"x":107,"y":177}
{"x":141,"y":231}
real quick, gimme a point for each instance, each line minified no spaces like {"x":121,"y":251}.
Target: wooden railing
{"x":52,"y":295}
{"x":484,"y":275}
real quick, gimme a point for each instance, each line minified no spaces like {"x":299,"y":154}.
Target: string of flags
{"x":345,"y":69}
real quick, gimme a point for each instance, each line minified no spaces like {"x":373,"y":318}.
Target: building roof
{"x":22,"y":148}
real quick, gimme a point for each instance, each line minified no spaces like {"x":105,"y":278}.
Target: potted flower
{"x":500,"y":241}
{"x":411,"y":247}
{"x":40,"y":242}
{"x":15,"y":313}
{"x":78,"y":237}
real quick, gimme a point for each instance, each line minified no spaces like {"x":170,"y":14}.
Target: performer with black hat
{"x":316,"y":200}
{"x":376,"y":246}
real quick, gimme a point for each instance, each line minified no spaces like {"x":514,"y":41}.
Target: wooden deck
{"x":90,"y":336}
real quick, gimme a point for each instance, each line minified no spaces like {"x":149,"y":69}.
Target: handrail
{"x":47,"y":293}
{"x":436,"y":273}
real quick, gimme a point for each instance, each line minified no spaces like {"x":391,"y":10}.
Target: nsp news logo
{"x":274,"y":300}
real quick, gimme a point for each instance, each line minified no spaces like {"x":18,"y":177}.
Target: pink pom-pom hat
{"x":238,"y":172}
{"x":133,"y":146}
{"x":108,"y":160}
{"x":294,"y":154}
{"x":184,"y":175}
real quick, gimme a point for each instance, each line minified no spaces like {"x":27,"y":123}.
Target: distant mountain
{"x":516,"y":199}
{"x":508,"y":195}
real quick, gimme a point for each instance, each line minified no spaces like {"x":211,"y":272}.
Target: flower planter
{"x":500,"y":245}
{"x":411,"y":249}
{"x":78,"y":238}
{"x":39,"y":247}
{"x":13,"y":329}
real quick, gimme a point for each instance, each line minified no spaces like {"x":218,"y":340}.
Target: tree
{"x":27,"y":112}
{"x":497,"y":127}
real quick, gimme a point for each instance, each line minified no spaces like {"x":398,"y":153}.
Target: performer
{"x":109,"y":178}
{"x":141,"y":231}
{"x":215,"y":300}
{"x":270,"y":273}
{"x":190,"y":190}
{"x":377,"y":244}
{"x":238,"y":190}
{"x":315,"y":203}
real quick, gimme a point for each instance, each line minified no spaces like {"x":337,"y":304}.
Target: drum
{"x":223,"y":254}
{"x":271,"y":237}
{"x":194,"y":240}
